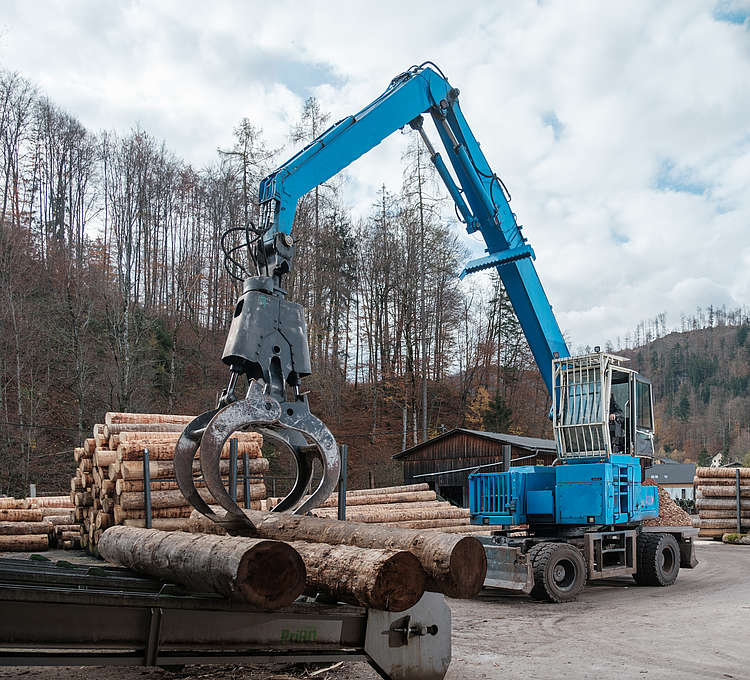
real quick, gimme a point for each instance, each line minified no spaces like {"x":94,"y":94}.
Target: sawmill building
{"x":460,"y":451}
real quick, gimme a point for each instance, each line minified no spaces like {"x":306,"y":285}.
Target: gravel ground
{"x":698,"y":628}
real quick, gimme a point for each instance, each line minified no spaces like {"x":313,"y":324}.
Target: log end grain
{"x":270,"y":575}
{"x":468,"y":568}
{"x":399,"y":583}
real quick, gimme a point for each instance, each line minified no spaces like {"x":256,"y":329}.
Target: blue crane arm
{"x":479,"y":194}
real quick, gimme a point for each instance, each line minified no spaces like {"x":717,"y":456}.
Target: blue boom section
{"x":586,"y":493}
{"x":478,"y":192}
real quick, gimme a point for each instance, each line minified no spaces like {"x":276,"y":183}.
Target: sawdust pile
{"x":670,"y":514}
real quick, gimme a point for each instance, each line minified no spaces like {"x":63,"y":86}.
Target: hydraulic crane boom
{"x":479,"y":194}
{"x":267,"y":340}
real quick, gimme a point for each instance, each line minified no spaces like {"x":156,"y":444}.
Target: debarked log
{"x":265,"y":573}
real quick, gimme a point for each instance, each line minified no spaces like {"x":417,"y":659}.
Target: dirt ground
{"x":698,"y":628}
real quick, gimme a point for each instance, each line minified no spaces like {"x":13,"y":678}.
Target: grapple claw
{"x":256,"y":410}
{"x":187,"y":447}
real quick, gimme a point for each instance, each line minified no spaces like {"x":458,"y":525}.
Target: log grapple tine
{"x":184,"y":454}
{"x":254,"y":411}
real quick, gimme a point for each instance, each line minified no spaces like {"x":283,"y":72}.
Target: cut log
{"x":266,"y":574}
{"x":113,"y":417}
{"x":381,"y":579}
{"x":56,"y":520}
{"x":76,"y":484}
{"x":50,"y":502}
{"x":721,"y":472}
{"x":408,"y":515}
{"x":104,"y":520}
{"x":28,"y":528}
{"x":170,"y":513}
{"x":133,"y":450}
{"x":135,"y":500}
{"x":161,"y":523}
{"x":30,"y":515}
{"x":113,"y":472}
{"x":133,"y":469}
{"x":89,"y":445}
{"x":376,"y":499}
{"x":126,"y":486}
{"x":463,"y":529}
{"x":67,"y":527}
{"x":720,"y":514}
{"x":24,"y":543}
{"x":14,"y":503}
{"x":117,"y":428}
{"x":383,"y":508}
{"x":455,"y":565}
{"x":429,"y":523}
{"x":722,"y":491}
{"x":721,"y":504}
{"x":728,"y":524}
{"x":104,"y":457}
{"x":388,"y":490}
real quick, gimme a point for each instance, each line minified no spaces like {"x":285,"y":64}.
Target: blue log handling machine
{"x":582,"y":518}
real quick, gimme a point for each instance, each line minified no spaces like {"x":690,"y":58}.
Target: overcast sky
{"x":622,"y":129}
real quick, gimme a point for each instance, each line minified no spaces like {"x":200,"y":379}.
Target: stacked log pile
{"x":108,"y":488}
{"x":412,"y":506}
{"x":716,"y":500}
{"x":31,"y":524}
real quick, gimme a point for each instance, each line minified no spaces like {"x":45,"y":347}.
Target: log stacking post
{"x":739,"y":503}
{"x":233,"y":469}
{"x":246,"y":479}
{"x":342,"y":483}
{"x":147,"y":488}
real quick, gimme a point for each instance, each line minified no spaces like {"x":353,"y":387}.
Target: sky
{"x":622,"y":130}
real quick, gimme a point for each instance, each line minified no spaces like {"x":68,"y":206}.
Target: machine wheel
{"x":658,"y":560}
{"x":559,"y":572}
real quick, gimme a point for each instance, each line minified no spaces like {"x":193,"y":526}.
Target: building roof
{"x":530,"y":443}
{"x":672,"y":473}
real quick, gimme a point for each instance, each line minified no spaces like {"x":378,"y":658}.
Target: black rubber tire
{"x":559,"y":572}
{"x":658,"y":560}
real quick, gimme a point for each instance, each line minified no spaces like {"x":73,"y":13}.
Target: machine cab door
{"x":644,"y":417}
{"x":620,"y":411}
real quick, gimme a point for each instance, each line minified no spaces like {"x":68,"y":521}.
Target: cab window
{"x":645,"y":420}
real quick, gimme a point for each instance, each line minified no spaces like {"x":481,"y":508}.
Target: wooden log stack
{"x":716,"y":496}
{"x":33,"y":524}
{"x":411,"y":506}
{"x":108,"y":488}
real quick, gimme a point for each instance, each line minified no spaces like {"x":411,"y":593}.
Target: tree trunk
{"x":381,"y":579}
{"x":24,"y":543}
{"x":132,"y":470}
{"x":135,"y":500}
{"x":267,"y":574}
{"x":31,"y":515}
{"x":15,"y":528}
{"x":112,"y":418}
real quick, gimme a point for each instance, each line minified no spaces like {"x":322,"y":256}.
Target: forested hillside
{"x":701,"y":380}
{"x":114,"y":294}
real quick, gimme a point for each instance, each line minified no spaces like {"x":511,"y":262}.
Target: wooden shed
{"x":461,"y":451}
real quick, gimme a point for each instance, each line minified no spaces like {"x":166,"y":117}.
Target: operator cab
{"x":601,"y":408}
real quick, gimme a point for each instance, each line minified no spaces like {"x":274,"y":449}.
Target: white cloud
{"x":621,"y":129}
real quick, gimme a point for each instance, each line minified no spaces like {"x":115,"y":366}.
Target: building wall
{"x":685,"y":491}
{"x":462,"y":450}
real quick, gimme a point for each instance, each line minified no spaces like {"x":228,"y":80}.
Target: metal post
{"x":147,"y":487}
{"x":233,"y":468}
{"x":371,"y":479}
{"x":739,"y":504}
{"x":32,"y":490}
{"x":273,"y":487}
{"x":342,"y":482}
{"x":506,"y":457}
{"x":245,"y":469}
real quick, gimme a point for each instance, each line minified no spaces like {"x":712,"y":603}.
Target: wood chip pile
{"x":670,"y":514}
{"x":108,"y":487}
{"x":716,"y":500}
{"x":412,"y":506}
{"x":32,"y":524}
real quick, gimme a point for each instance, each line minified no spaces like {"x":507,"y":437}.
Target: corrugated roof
{"x":672,"y":473}
{"x":530,"y":443}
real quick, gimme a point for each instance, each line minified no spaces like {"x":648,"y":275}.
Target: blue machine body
{"x":591,"y":492}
